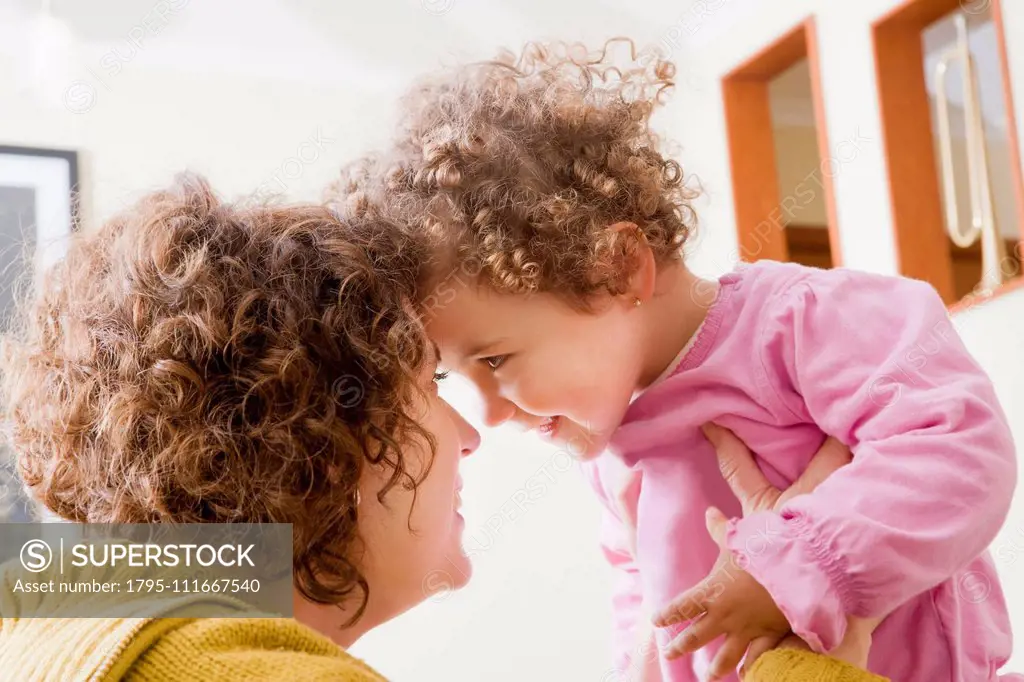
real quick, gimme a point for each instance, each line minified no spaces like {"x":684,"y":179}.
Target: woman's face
{"x":413,"y":539}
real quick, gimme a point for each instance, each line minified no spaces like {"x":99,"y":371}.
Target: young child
{"x":559,"y":288}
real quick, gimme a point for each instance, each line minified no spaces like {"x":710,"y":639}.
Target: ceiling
{"x":380,"y":46}
{"x":335,"y":42}
{"x":314,"y":40}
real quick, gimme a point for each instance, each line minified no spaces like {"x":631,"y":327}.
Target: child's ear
{"x":645,"y":270}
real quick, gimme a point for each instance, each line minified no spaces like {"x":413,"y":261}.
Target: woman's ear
{"x":641,"y":282}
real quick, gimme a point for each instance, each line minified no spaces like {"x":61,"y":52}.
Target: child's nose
{"x":497,"y":411}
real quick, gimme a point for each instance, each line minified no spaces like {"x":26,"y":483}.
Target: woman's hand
{"x":755,"y":494}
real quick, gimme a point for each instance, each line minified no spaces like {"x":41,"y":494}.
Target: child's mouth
{"x":549,"y":427}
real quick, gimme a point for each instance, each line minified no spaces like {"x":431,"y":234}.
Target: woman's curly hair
{"x":521,"y":165}
{"x":196,"y":361}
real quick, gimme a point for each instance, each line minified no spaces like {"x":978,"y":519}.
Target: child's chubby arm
{"x":876,"y":363}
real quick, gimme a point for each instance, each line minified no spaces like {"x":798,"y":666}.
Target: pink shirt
{"x":786,"y":355}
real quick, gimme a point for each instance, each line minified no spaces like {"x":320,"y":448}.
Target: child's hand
{"x":754,"y":493}
{"x":728,"y":602}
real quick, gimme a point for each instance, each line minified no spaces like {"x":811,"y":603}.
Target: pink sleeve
{"x":875,"y":362}
{"x":627,"y":597}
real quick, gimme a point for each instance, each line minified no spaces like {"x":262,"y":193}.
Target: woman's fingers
{"x":740,"y":471}
{"x":863,"y":625}
{"x":697,"y":635}
{"x":763,"y":645}
{"x":831,"y":456}
{"x":751,"y":487}
{"x":716,"y":523}
{"x":756,"y":648}
{"x":727,"y":658}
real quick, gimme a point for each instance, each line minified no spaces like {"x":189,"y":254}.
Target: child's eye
{"x":440,"y":376}
{"x":496,"y":361}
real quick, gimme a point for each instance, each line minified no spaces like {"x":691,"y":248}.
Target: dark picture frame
{"x":39,"y":205}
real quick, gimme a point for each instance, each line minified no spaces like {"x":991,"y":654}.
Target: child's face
{"x":541,"y":364}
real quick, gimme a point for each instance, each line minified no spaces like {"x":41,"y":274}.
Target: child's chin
{"x":588,"y":455}
{"x":580,"y":452}
{"x":581,"y":444}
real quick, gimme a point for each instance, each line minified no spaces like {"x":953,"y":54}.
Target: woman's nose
{"x":469,"y":438}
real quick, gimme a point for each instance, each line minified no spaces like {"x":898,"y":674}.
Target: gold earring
{"x":636,"y":302}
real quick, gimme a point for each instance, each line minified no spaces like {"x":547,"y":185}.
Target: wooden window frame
{"x":755,"y":178}
{"x":921,"y":241}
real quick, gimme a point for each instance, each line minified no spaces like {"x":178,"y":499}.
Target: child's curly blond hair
{"x":195,"y":361}
{"x":522,"y":165}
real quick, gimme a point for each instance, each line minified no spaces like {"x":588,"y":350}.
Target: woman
{"x":195,"y":361}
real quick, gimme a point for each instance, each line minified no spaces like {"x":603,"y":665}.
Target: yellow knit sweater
{"x":791,"y":665}
{"x":251,"y":650}
{"x":180,"y":649}
{"x":174,"y":648}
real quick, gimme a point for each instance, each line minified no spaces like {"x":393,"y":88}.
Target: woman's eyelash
{"x":440,"y":376}
{"x":496,"y":361}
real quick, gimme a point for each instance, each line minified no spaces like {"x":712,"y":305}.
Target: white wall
{"x":235,"y":89}
{"x":994,"y":332}
{"x":243,"y":134}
